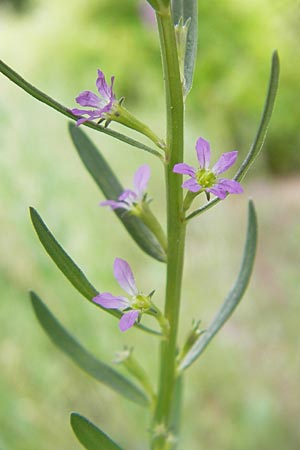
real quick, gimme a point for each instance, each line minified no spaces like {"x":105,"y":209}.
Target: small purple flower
{"x":101,"y":105}
{"x":129,"y":198}
{"x":205,"y":179}
{"x":138,"y":303}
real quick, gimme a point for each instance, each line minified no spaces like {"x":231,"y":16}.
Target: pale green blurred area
{"x":243,"y":394}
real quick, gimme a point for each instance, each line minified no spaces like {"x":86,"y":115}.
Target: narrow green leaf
{"x":44,"y":98}
{"x":188,"y":9}
{"x":177,"y":10}
{"x":81,"y":357}
{"x":69,"y":268}
{"x":63,"y":261}
{"x":90,"y":436}
{"x":107,"y":181}
{"x":234,"y":296}
{"x":260,"y":135}
{"x":264,"y":121}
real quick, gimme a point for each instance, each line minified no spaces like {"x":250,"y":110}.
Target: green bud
{"x":135,"y":369}
{"x":181,"y":32}
{"x":192,"y":337}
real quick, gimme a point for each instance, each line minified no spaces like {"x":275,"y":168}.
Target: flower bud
{"x":192,"y":337}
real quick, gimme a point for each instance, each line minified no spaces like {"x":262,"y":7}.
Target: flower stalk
{"x":175,"y":229}
{"x":123,"y":116}
{"x":126,"y":358}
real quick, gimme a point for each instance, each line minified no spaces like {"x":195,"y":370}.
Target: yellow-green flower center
{"x":141,"y":302}
{"x":206,"y":178}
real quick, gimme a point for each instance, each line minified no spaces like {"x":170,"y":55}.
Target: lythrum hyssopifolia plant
{"x":206,"y":179}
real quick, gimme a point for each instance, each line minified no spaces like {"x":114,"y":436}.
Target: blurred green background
{"x":243,"y":393}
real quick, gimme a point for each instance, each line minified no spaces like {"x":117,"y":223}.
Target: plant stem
{"x":162,"y":432}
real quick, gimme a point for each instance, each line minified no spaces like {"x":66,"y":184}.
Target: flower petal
{"x":88,"y":98}
{"x":128,"y":319}
{"x":203,"y":153}
{"x":127,"y":196}
{"x":140,"y":180}
{"x":231,"y":186}
{"x":113,"y":204}
{"x":192,"y":185}
{"x":79,"y":112}
{"x":97,"y":114}
{"x":109,"y":301}
{"x":217,"y":191}
{"x":184,"y":169}
{"x":82,"y":120}
{"x":124,"y":276}
{"x":225,"y":161}
{"x":104,"y":90}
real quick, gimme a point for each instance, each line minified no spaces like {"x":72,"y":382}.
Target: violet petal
{"x":217,"y":191}
{"x":124,"y":276}
{"x":128,"y":319}
{"x":79,"y":112}
{"x":109,"y":301}
{"x":191,"y":185}
{"x":224,"y":162}
{"x":184,"y":169}
{"x":231,"y":186}
{"x":88,"y":98}
{"x":140,"y":180}
{"x":203,"y":153}
{"x":97,"y":114}
{"x":127,"y":195}
{"x":104,"y":90}
{"x":82,"y":120}
{"x":113,"y":204}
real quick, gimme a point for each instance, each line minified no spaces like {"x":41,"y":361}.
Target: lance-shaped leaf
{"x":44,"y":98}
{"x":81,"y":357}
{"x":90,"y":436}
{"x":260,"y":135}
{"x":188,"y":11}
{"x":111,"y":188}
{"x":234,"y":296}
{"x":69,"y":268}
{"x":61,"y":258}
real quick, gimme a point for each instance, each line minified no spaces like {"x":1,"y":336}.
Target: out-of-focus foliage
{"x":18,"y":6}
{"x":236,"y":40}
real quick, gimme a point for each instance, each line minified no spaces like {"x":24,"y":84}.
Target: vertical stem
{"x":162,"y":432}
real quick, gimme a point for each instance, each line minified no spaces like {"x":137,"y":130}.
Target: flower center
{"x":141,"y":302}
{"x":206,"y":178}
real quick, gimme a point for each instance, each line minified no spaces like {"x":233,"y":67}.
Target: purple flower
{"x":101,"y":105}
{"x":138,"y":303}
{"x":129,"y":198}
{"x":205,"y":179}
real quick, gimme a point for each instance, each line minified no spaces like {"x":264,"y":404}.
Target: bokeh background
{"x":244,"y":392}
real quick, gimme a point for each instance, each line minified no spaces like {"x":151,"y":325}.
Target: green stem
{"x":162,"y":432}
